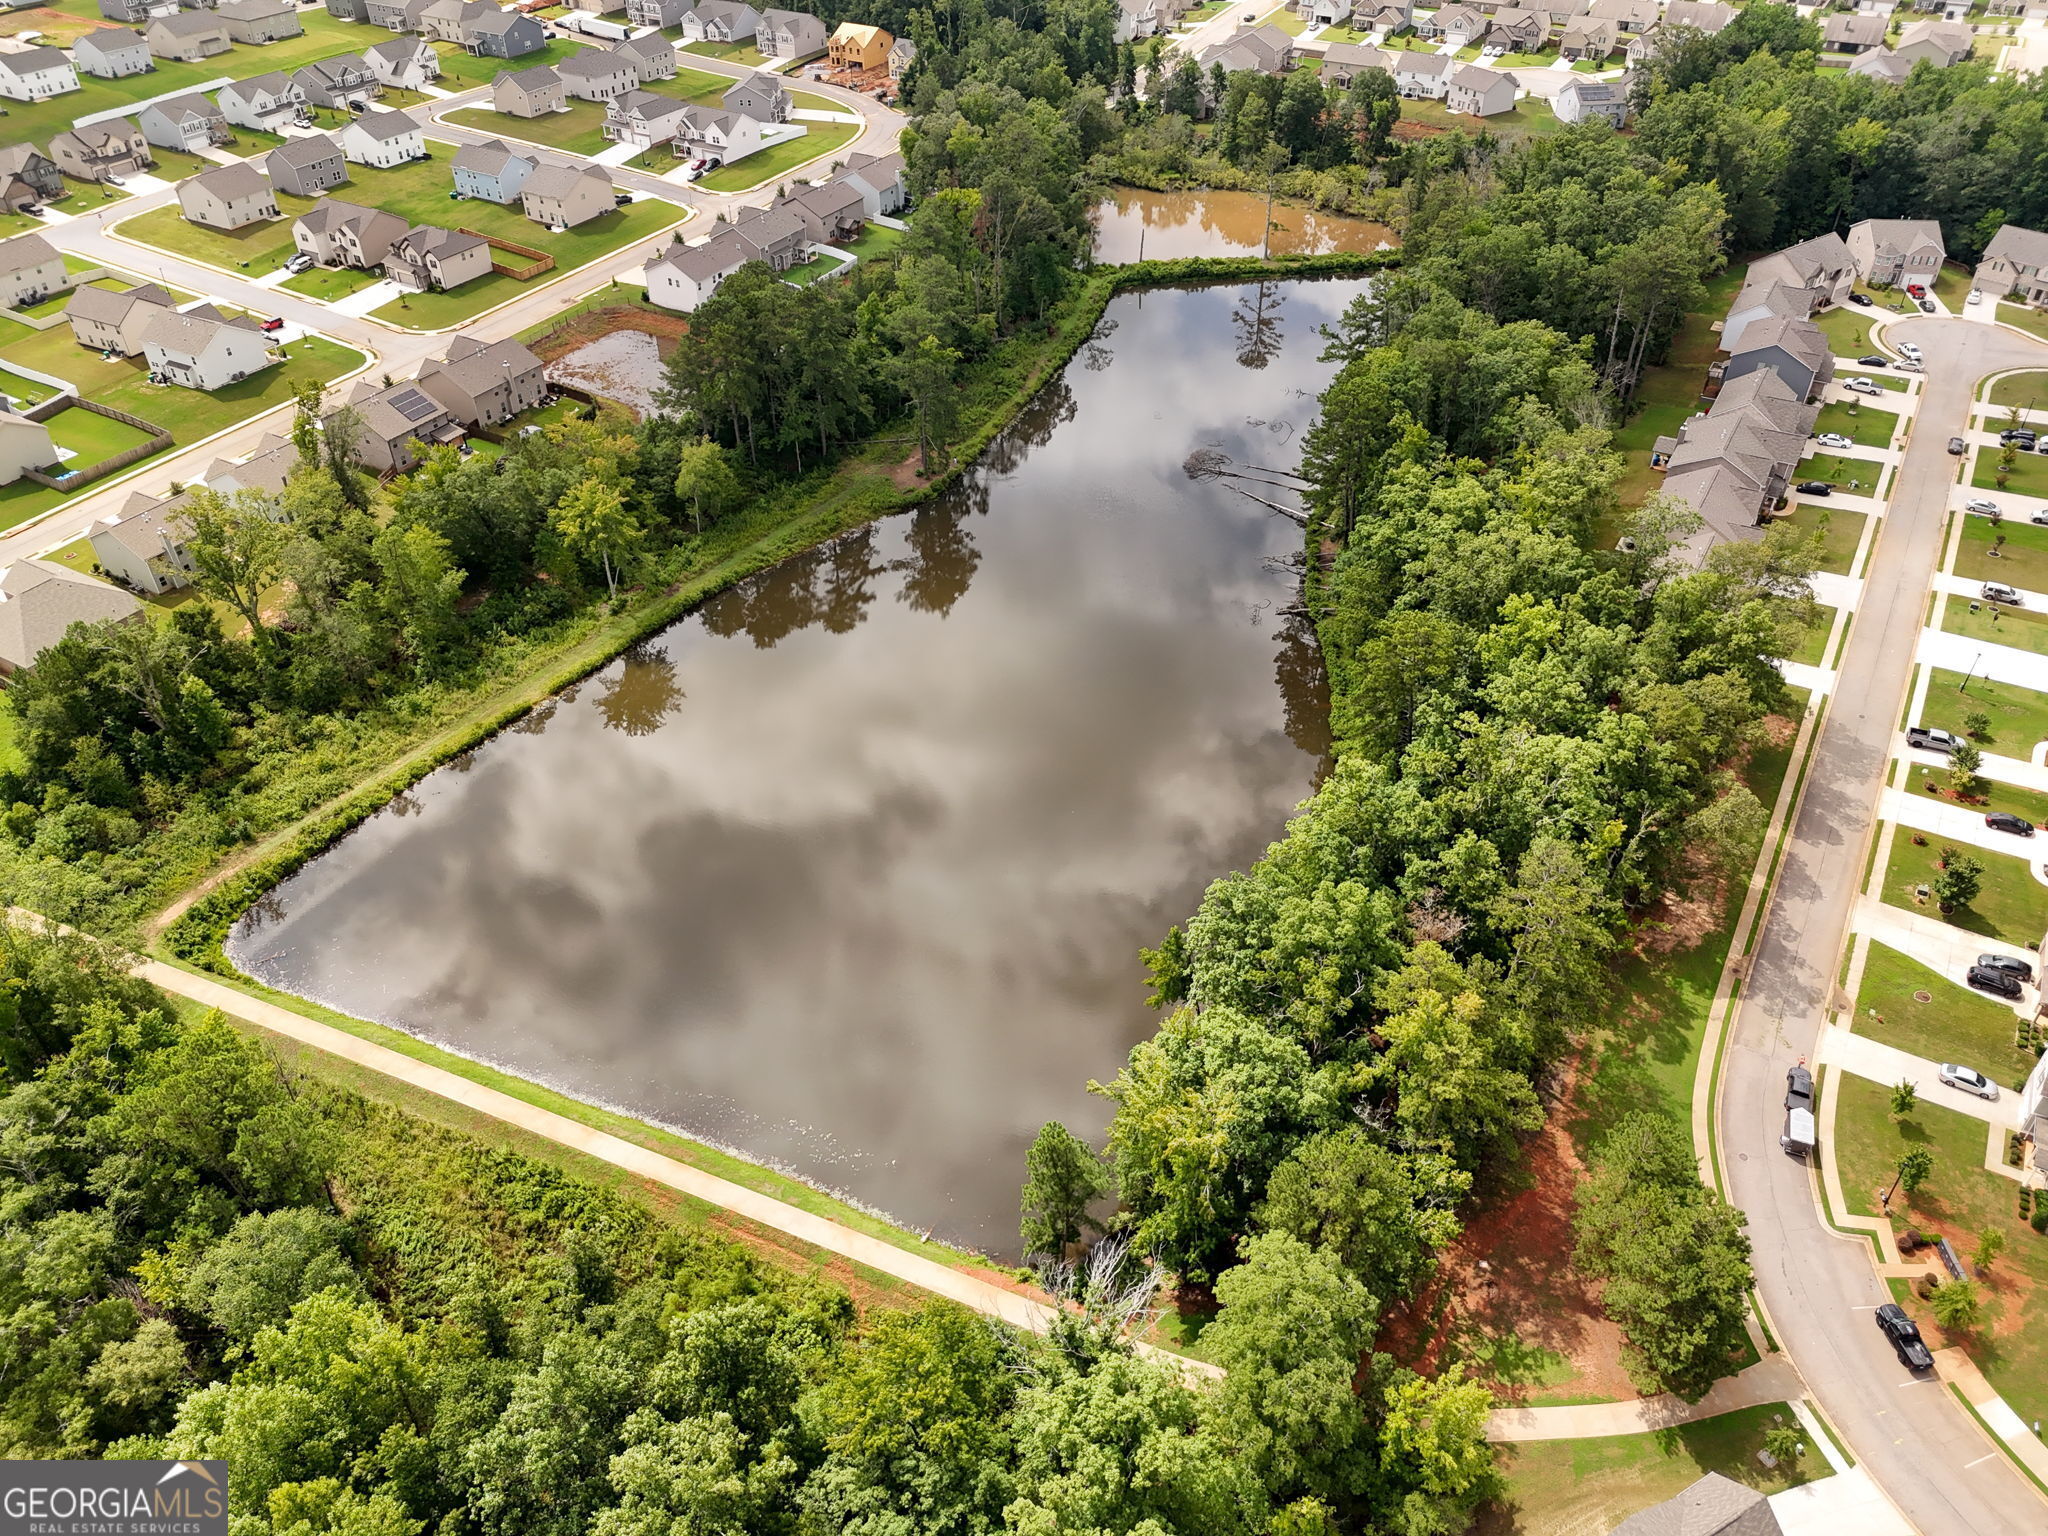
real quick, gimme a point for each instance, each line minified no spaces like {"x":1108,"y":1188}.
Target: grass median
{"x":2010,"y":905}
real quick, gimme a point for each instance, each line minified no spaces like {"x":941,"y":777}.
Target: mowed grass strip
{"x":2028,"y":391}
{"x":2011,"y":905}
{"x":2028,"y":475}
{"x":1996,"y":624}
{"x":1862,"y":425}
{"x":1841,"y":532}
{"x":1954,"y":1024}
{"x":1859,"y":477}
{"x":2011,"y":550}
{"x":2018,"y":716}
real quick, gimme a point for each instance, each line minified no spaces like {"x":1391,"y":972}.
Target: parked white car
{"x":1908,"y":350}
{"x":1969,"y":1079}
{"x":1999,"y":592}
{"x":1979,"y":504}
{"x":1863,"y":386}
{"x":1974,"y":298}
{"x":1833,"y":440}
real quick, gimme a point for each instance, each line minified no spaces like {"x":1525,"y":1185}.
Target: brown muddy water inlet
{"x":1162,"y":226}
{"x":850,"y":869}
{"x":620,"y":365}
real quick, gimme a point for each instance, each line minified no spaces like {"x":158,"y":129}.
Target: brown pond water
{"x":621,"y":365}
{"x":1133,"y":224}
{"x":849,"y":870}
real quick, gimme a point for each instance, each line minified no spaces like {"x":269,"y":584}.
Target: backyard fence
{"x":76,"y":280}
{"x":72,"y":480}
{"x":537,"y":261}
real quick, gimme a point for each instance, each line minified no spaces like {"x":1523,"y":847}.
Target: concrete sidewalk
{"x":1952,"y":823}
{"x":1771,"y":1380}
{"x":1937,"y":945}
{"x":1865,"y":1057}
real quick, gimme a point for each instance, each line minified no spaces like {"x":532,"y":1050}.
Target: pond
{"x":1133,"y":224}
{"x":849,"y":870}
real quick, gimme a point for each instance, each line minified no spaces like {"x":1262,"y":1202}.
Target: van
{"x":1798,"y":1137}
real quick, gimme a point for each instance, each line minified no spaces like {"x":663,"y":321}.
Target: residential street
{"x":1818,"y":1286}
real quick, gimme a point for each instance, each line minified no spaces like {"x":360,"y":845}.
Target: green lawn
{"x":2029,"y":391}
{"x":2011,"y":906}
{"x":1530,"y":118}
{"x":2019,"y":716}
{"x":1670,"y":391}
{"x":875,"y":240}
{"x":1959,"y":1200}
{"x":804,"y":273}
{"x":1857,"y":476}
{"x":1862,"y":425}
{"x":1841,"y":532}
{"x":580,"y":130}
{"x":1575,"y":1487}
{"x":2027,"y":477}
{"x":91,"y":437}
{"x":1952,"y":287}
{"x":819,"y":139}
{"x":1924,"y":779}
{"x":255,"y":249}
{"x":79,"y":197}
{"x":1813,"y":640}
{"x":2021,"y":558}
{"x":732,"y":53}
{"x":1954,"y":1024}
{"x":2031,"y":320}
{"x":330,"y":283}
{"x":1848,"y":330}
{"x":1996,"y":624}
{"x":324,"y":38}
{"x":461,"y":70}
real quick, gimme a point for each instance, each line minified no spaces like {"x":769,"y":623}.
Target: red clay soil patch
{"x":667,"y":330}
{"x":1405,"y":129}
{"x":1506,"y":1298}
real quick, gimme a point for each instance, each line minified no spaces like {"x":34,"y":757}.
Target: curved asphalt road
{"x":1817,"y":1285}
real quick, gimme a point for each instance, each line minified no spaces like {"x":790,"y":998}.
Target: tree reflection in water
{"x":643,"y":694}
{"x":1257,"y":321}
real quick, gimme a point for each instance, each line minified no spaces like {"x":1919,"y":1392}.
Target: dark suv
{"x":1905,"y":1337}
{"x":2007,"y":964}
{"x":2005,"y":821}
{"x":1987,"y":978}
{"x":1798,"y":1088}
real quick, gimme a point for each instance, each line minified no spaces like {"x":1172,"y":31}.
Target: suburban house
{"x":1734,"y":464}
{"x":484,"y":383}
{"x":684,"y":276}
{"x":2015,"y":265}
{"x":901,"y":53}
{"x":228,"y":197}
{"x":447,"y":20}
{"x":36,"y":74}
{"x":1796,"y":281}
{"x":491,"y":172}
{"x":261,"y":21}
{"x":528,"y":92}
{"x":40,"y":601}
{"x":112,"y":53}
{"x":397,"y":15}
{"x":30,"y":271}
{"x":1477,"y":91}
{"x":661,"y":14}
{"x":27,"y":175}
{"x":1519,"y":30}
{"x":1709,"y":16}
{"x":760,"y":96}
{"x":1454,"y":24}
{"x":1588,"y":37}
{"x":267,"y":103}
{"x":1713,"y":1506}
{"x":726,"y":136}
{"x":505,"y":35}
{"x":187,"y":37}
{"x":776,"y":233}
{"x":201,"y":349}
{"x":1140,"y":18}
{"x":307,"y":167}
{"x":348,"y":10}
{"x":1562,"y":13}
{"x":1890,"y":253}
{"x":108,"y":150}
{"x":650,"y":54}
{"x":563,"y":196}
{"x":1266,"y":50}
{"x":381,"y":139}
{"x":403,"y":63}
{"x":143,"y":545}
{"x":789,"y":34}
{"x":24,"y":445}
{"x":394,"y":423}
{"x":188,"y":122}
{"x":1852,"y":32}
{"x":1582,"y":100}
{"x":1797,"y":351}
{"x":597,"y":75}
{"x":1881,"y":64}
{"x":427,"y":256}
{"x":344,"y":83}
{"x":112,"y":322}
{"x":879,"y":180}
{"x":1630,"y":15}
{"x":135,"y":12}
{"x":1423,"y":75}
{"x":716,"y":21}
{"x":1345,"y":62}
{"x":339,"y":234}
{"x":1384,"y":16}
{"x":1940,"y":43}
{"x":643,"y":119}
{"x":831,"y":213}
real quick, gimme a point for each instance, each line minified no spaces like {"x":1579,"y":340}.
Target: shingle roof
{"x":385,"y":126}
{"x":397,"y":50}
{"x":111,"y":308}
{"x":475,"y":366}
{"x":301,"y":153}
{"x":39,"y":601}
{"x":561,"y":180}
{"x":488,"y":158}
{"x":191,"y":104}
{"x":433,"y":240}
{"x":23,"y":252}
{"x":29,"y":60}
{"x":188,"y":332}
{"x":108,"y":40}
{"x":538,"y":78}
{"x":229,"y":182}
{"x":337,"y":69}
{"x":647,"y":106}
{"x":592,"y":64}
{"x":498,"y":21}
{"x":273,"y":82}
{"x":723,"y":252}
{"x":189,"y":24}
{"x":1713,"y":1506}
{"x":2012,"y":243}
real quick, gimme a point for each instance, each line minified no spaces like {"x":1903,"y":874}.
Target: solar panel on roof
{"x":413,"y":405}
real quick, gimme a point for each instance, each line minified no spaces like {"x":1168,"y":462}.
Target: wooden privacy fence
{"x":73,"y":479}
{"x":537,"y":262}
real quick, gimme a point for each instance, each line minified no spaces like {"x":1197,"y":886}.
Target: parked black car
{"x":2018,"y":435}
{"x":1814,"y":488}
{"x":2008,"y":964}
{"x":1927,"y":306}
{"x":1798,"y":1088}
{"x":1957,"y":445}
{"x":1988,"y":979}
{"x":1905,"y":1337}
{"x":1874,"y":360}
{"x":1860,"y":298}
{"x":2005,"y":821}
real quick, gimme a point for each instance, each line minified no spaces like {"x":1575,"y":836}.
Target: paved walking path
{"x":1957,"y":1367}
{"x":1771,"y":1380}
{"x":763,"y":1210}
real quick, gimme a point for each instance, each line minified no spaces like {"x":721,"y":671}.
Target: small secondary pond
{"x":1133,"y":224}
{"x":850,"y":869}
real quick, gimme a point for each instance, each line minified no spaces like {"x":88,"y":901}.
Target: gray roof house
{"x":1713,"y":1506}
{"x":1583,"y":99}
{"x":112,"y":147}
{"x":1588,"y":37}
{"x":1940,"y":43}
{"x":189,"y":122}
{"x":428,"y":256}
{"x":1345,"y":62}
{"x":40,"y":601}
{"x":1631,"y":15}
{"x":1852,"y":32}
{"x":491,"y":171}
{"x":684,"y":276}
{"x":1480,"y":92}
{"x":198,"y":349}
{"x":1882,"y":65}
{"x":761,"y":96}
{"x":111,"y":53}
{"x":341,"y":83}
{"x":652,"y":56}
{"x":130,"y":12}
{"x":27,"y":175}
{"x":2015,"y":265}
{"x":563,"y":196}
{"x":112,"y":322}
{"x":1453,"y":23}
{"x":722,"y":21}
{"x":307,"y":167}
{"x":342,"y":234}
{"x":485,"y":384}
{"x":228,"y":197}
{"x":1513,"y":27}
{"x":597,"y":75}
{"x":187,"y":37}
{"x":787,"y":34}
{"x":267,"y":103}
{"x":30,"y":271}
{"x":1895,"y":252}
{"x":776,"y":232}
{"x":1795,"y":281}
{"x":1733,"y":465}
{"x":901,"y":53}
{"x":1796,"y":350}
{"x":261,"y":21}
{"x":1423,"y":75}
{"x":382,"y":139}
{"x":403,"y":63}
{"x":505,"y":35}
{"x":644,"y":120}
{"x":393,"y":423}
{"x":657,"y":13}
{"x":830,"y":213}
{"x":1709,"y":16}
{"x":880,"y":181}
{"x":528,"y":92}
{"x":348,"y":10}
{"x":36,"y":74}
